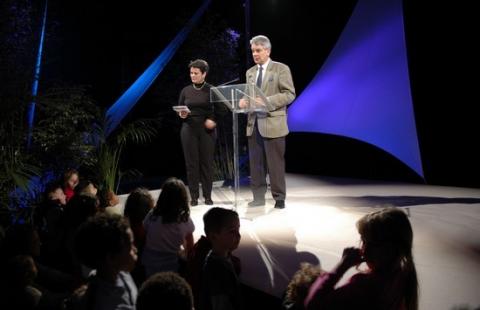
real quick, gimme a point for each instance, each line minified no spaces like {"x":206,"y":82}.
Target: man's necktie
{"x":259,"y":78}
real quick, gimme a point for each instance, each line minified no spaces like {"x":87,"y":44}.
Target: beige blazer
{"x":278,"y":87}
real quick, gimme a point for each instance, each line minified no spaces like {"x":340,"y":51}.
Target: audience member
{"x":165,"y":290}
{"x":78,"y":210}
{"x":105,"y":243}
{"x":389,"y":282}
{"x":299,"y":285}
{"x":23,"y":240}
{"x":86,"y":187}
{"x":48,"y":219}
{"x":17,"y":284}
{"x":168,"y":226}
{"x":138,"y":204}
{"x":220,"y":288}
{"x":70,"y":181}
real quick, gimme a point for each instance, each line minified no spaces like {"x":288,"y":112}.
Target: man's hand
{"x":243,"y":103}
{"x":259,"y":102}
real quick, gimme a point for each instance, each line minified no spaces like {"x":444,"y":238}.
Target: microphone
{"x":226,"y":83}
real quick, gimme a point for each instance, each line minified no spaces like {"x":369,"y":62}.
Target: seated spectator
{"x":105,"y":243}
{"x":220,"y":289}
{"x":390,"y":280}
{"x":70,"y":181}
{"x":23,"y":240}
{"x":195,"y":264}
{"x":54,"y":193}
{"x":168,"y":226}
{"x":78,"y":210}
{"x":48,"y":219}
{"x":2,"y":239}
{"x":17,"y":286}
{"x":138,"y":204}
{"x":299,"y":285}
{"x":165,"y":290}
{"x":86,"y":187}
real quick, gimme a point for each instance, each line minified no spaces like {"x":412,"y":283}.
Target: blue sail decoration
{"x":36,"y":78}
{"x":362,"y":90}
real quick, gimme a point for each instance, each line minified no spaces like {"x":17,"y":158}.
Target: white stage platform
{"x":319,"y":221}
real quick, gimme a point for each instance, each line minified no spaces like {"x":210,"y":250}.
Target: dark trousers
{"x":267,"y":155}
{"x":198,"y":148}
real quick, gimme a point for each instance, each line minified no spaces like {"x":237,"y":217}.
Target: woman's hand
{"x":183,"y":114}
{"x":209,"y":124}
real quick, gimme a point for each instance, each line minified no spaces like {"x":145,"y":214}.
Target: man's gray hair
{"x":261,"y":40}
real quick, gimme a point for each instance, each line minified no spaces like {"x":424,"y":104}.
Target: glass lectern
{"x":239,"y":98}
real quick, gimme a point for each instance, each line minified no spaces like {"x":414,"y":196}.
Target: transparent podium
{"x":239,"y":99}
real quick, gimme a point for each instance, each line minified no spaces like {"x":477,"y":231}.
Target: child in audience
{"x":70,"y":181}
{"x":85,"y":187}
{"x":48,"y":219}
{"x":138,"y":204}
{"x":21,"y":248}
{"x":390,"y":281}
{"x":165,"y":290}
{"x":105,"y":243}
{"x":17,"y":284}
{"x":168,"y":226}
{"x":298,"y":287}
{"x":220,"y":288}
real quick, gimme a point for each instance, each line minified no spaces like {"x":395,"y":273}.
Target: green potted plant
{"x":106,"y":164}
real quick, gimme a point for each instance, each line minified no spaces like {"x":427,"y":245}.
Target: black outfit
{"x":220,"y":289}
{"x":198,"y":142}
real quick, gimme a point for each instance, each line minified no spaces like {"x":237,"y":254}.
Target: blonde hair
{"x":301,"y":281}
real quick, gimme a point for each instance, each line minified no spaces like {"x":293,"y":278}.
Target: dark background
{"x":107,"y":44}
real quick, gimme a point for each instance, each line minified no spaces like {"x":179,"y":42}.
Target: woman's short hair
{"x":199,"y":64}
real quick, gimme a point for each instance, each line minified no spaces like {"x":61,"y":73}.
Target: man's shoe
{"x":280,"y":204}
{"x":256,"y":203}
{"x":194,"y":202}
{"x":208,"y":201}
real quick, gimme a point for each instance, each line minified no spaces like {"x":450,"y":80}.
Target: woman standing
{"x":198,"y":132}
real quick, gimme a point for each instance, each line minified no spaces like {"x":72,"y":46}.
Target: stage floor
{"x":319,"y":221}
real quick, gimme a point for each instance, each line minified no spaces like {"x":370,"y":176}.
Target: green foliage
{"x":15,"y":173}
{"x":106,"y":157}
{"x":65,"y":116}
{"x":16,"y":67}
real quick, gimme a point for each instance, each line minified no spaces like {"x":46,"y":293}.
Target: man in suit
{"x":266,"y":131}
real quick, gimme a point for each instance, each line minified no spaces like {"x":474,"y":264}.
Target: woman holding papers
{"x":198,"y":132}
